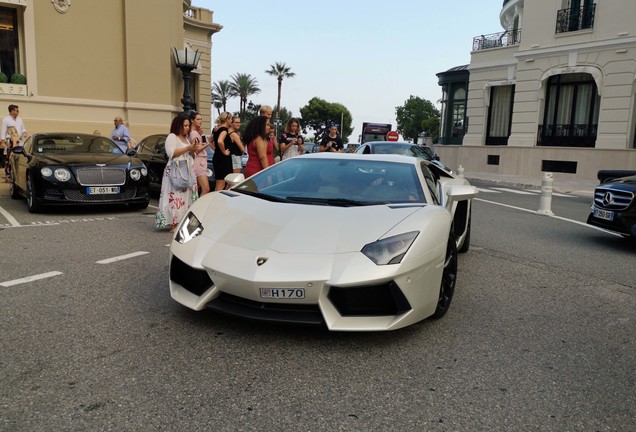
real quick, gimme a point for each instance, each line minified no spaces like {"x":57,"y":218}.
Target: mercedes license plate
{"x":101,"y":190}
{"x":283,"y":293}
{"x":604,"y":214}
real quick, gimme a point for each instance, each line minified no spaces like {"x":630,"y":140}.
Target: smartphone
{"x":203,"y":139}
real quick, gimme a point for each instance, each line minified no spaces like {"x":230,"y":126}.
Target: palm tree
{"x":221,"y":92}
{"x":280,"y":71}
{"x":243,"y":86}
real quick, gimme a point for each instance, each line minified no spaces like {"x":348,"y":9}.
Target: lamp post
{"x":187,"y":61}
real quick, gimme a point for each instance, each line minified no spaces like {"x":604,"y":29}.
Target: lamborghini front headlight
{"x":390,"y":250}
{"x":190,"y":228}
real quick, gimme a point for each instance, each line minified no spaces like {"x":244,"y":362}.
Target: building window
{"x":578,"y":15}
{"x":500,"y":114}
{"x":458,"y":112}
{"x":9,"y":48}
{"x":571,"y":111}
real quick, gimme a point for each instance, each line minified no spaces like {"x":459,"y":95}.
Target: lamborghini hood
{"x":256,"y":224}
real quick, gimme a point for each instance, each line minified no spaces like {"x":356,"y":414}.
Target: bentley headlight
{"x":390,"y":250}
{"x":62,"y":174}
{"x":46,"y":172}
{"x":144,"y":172}
{"x":190,"y":228}
{"x":135,"y":174}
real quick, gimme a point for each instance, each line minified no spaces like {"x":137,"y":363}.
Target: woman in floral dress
{"x":174,"y":203}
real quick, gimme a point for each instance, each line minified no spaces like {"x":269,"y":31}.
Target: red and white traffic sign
{"x":392,"y":136}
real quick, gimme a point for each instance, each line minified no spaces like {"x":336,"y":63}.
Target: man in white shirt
{"x":12,"y":120}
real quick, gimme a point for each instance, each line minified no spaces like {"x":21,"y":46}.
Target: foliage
{"x":280,"y":71}
{"x":18,"y":78}
{"x":319,"y":114}
{"x":244,"y":85}
{"x":3,"y":78}
{"x":221,"y":92}
{"x":415,"y":116}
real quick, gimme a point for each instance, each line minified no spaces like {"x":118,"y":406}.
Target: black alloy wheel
{"x":32,"y":203}
{"x":449,"y":278}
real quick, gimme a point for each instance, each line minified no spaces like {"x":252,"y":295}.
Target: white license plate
{"x":283,"y":293}
{"x":101,"y":190}
{"x":604,"y":214}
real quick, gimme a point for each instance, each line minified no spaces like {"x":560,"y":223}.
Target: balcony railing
{"x":569,"y":20}
{"x":567,"y":135}
{"x":497,"y":40}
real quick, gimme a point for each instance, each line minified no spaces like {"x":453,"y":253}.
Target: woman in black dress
{"x":222,"y":160}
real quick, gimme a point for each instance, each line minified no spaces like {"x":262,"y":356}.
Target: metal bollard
{"x":545,"y":201}
{"x":460,"y":171}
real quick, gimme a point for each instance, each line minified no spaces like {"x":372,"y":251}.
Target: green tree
{"x":244,"y":85}
{"x":221,"y":92}
{"x":415,"y":116}
{"x":319,"y":113}
{"x":280,"y":71}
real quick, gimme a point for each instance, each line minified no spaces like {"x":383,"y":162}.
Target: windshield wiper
{"x":337,"y":202}
{"x":260,"y":195}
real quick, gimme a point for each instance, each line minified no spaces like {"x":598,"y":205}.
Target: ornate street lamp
{"x":187,"y":61}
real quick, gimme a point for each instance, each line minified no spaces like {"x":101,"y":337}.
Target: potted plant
{"x":18,"y":78}
{"x":3,"y":78}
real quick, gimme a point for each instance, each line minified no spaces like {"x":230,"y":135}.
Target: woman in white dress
{"x":174,"y":203}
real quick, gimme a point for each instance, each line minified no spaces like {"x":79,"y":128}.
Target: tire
{"x":449,"y":278}
{"x":13,"y":189}
{"x":32,"y":204}
{"x":466,"y":244}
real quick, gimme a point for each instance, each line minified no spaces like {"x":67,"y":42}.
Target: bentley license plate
{"x":604,"y":214}
{"x":283,"y":293}
{"x":101,"y":190}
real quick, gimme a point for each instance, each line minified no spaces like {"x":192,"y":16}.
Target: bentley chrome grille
{"x":612,"y":199}
{"x":101,"y":176}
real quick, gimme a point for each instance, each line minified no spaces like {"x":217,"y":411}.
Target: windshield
{"x":74,"y":144}
{"x":338,"y":182}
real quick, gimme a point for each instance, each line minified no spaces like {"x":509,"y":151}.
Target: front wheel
{"x":32,"y":204}
{"x":449,"y":278}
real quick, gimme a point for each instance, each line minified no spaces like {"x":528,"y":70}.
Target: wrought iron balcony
{"x":497,"y":40}
{"x":569,"y":20}
{"x":567,"y":135}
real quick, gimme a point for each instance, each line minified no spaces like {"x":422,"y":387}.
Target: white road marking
{"x":30,"y":278}
{"x":121,"y":257}
{"x":154,"y":207}
{"x":488,"y":190}
{"x":553,"y":216}
{"x":13,"y":221}
{"x":515,"y":191}
{"x":553,"y":193}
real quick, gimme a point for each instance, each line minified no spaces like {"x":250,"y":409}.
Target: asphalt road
{"x":539,"y":337}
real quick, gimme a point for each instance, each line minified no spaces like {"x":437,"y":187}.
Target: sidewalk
{"x":561,"y":185}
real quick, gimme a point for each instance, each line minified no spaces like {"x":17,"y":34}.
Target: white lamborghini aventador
{"x":352,"y":242}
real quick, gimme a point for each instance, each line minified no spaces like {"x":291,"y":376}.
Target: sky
{"x":369,"y":56}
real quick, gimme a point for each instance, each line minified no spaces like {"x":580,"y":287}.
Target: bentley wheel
{"x":449,"y":278}
{"x":32,"y":203}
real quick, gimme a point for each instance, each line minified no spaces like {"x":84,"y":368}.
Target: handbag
{"x":180,"y":174}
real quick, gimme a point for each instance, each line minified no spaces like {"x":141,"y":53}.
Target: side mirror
{"x":461,"y":192}
{"x":131,"y":152}
{"x":18,"y":150}
{"x":234,"y":178}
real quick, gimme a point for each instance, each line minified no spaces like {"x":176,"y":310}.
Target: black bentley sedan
{"x":76,"y":169}
{"x":614,"y":206}
{"x":152,"y":151}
